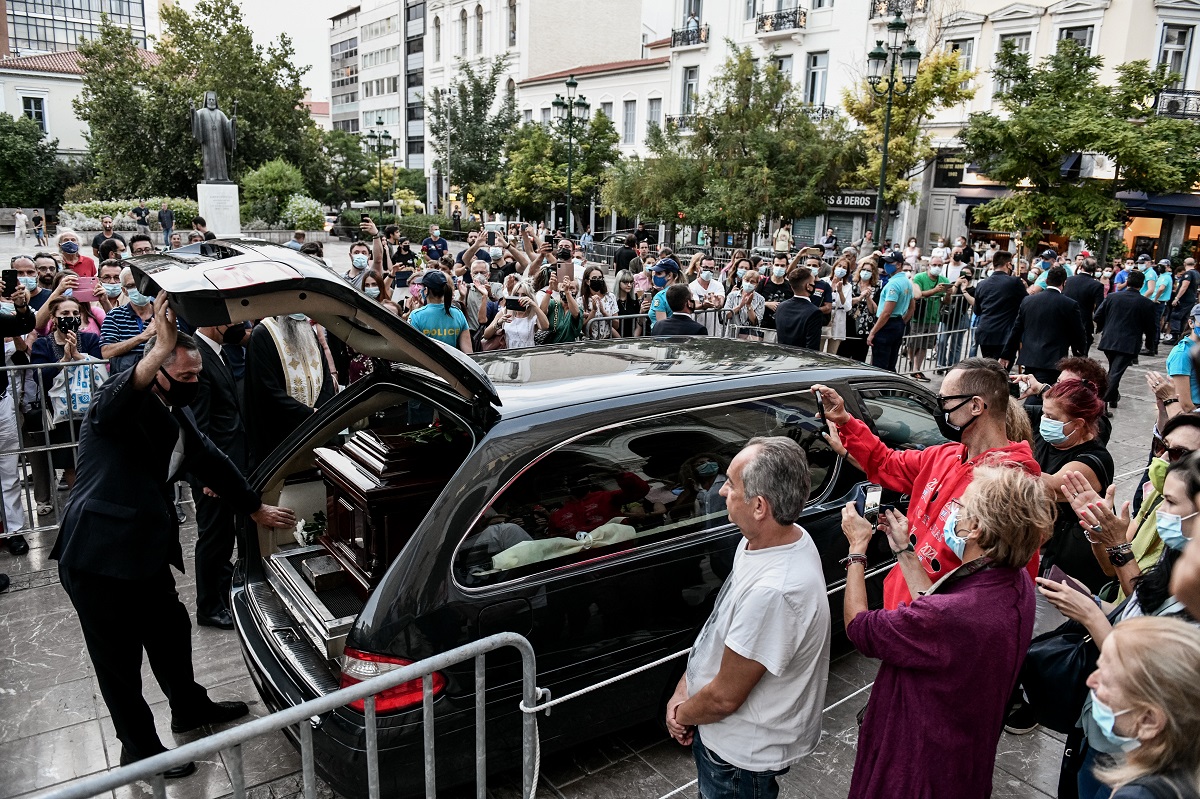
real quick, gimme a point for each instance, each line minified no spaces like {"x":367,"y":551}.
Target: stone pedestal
{"x":220,"y":208}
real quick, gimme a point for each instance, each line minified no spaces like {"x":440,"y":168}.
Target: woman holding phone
{"x":70,"y":285}
{"x":518,"y":319}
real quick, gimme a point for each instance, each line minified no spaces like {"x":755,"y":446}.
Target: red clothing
{"x":933,"y":477}
{"x":84,"y":267}
{"x":586,"y":513}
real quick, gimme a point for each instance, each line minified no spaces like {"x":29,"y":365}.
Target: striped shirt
{"x":122,"y":324}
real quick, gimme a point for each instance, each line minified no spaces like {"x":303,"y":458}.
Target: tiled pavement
{"x":54,"y":726}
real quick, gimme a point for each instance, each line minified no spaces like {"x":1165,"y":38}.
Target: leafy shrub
{"x":268,"y":188}
{"x":86,"y":215}
{"x":303,"y":213}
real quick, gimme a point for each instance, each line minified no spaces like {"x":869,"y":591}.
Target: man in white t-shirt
{"x":783,"y":238}
{"x":750,"y":702}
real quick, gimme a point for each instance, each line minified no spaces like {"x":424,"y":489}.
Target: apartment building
{"x":49,"y":26}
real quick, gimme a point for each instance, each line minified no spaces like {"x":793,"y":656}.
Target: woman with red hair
{"x":1066,"y":439}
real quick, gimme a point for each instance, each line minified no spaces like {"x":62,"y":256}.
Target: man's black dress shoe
{"x":223,"y":620}
{"x":215,"y":713}
{"x":170,"y":774}
{"x":17,"y":545}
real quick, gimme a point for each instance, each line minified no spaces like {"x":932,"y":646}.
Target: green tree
{"x":941,"y":83}
{"x":753,"y":151}
{"x":138,"y":113}
{"x":268,"y":188}
{"x":478,"y":119}
{"x":29,"y":167}
{"x":413,"y":180}
{"x":1057,"y":108}
{"x":535,"y":168}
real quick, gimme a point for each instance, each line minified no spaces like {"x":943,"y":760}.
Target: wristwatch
{"x":1120,"y":554}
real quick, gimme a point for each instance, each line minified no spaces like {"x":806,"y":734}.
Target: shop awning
{"x":978,"y":195}
{"x":1185,"y":204}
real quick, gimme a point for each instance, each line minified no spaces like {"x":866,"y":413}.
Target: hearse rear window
{"x":629,"y":486}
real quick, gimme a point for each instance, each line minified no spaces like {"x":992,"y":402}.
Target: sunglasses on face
{"x":942,"y":399}
{"x":1163,"y":450}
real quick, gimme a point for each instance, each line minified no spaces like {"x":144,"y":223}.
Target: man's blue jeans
{"x":717,"y":779}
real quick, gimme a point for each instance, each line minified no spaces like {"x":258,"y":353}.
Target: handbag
{"x":496,"y":342}
{"x":543,"y":336}
{"x":1055,"y":672}
{"x":74,"y":386}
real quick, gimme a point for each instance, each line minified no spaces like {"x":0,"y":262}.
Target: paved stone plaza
{"x":54,"y":725}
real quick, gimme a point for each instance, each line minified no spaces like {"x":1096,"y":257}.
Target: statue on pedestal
{"x":217,"y":136}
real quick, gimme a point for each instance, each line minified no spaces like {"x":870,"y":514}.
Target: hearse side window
{"x":629,"y":486}
{"x":901,"y":420}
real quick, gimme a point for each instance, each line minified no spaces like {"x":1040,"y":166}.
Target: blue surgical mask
{"x":747,"y":288}
{"x":706,"y":275}
{"x":741,"y":272}
{"x":1052,"y":431}
{"x":299,"y":317}
{"x":1170,"y":529}
{"x":30,"y":283}
{"x":125,"y":255}
{"x":956,"y":543}
{"x":779,"y":271}
{"x":865,"y":274}
{"x":138,"y":298}
{"x":707,"y":469}
{"x":359,"y":260}
{"x":1105,"y":718}
{"x":372,"y":292}
{"x":113,"y":290}
{"x":889,"y":269}
{"x":840,"y":273}
{"x":660,"y":280}
{"x":7,"y":309}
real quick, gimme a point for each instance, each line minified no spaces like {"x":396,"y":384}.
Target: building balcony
{"x":820,"y":113}
{"x":682,"y":122}
{"x":1178,"y":104}
{"x":885,"y":9}
{"x":689,"y":37}
{"x":781,"y":23}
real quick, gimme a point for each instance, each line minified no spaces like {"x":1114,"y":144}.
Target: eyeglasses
{"x":1172,"y":454}
{"x":943,"y":398}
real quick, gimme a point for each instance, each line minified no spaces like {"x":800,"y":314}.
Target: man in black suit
{"x":680,"y":322}
{"x":997,"y":301}
{"x":1048,"y":323}
{"x":218,"y":412}
{"x":1085,"y":289}
{"x":119,"y":537}
{"x":626,"y":253}
{"x":1124,"y":319}
{"x":798,"y":320}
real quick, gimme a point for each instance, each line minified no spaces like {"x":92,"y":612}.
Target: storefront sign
{"x":862,"y":202}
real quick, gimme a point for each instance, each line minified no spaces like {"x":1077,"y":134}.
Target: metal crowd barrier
{"x":31,"y":442}
{"x":716,"y":320}
{"x":929,"y":347}
{"x":305,"y":716}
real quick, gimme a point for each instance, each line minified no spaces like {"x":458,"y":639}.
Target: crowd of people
{"x":1020,"y":501}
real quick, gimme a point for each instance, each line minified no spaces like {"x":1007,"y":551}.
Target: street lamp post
{"x":568,"y":109}
{"x":883,"y":60}
{"x":380,"y":142}
{"x":445,"y":93}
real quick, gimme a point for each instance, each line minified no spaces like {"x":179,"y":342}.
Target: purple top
{"x":950,"y":661}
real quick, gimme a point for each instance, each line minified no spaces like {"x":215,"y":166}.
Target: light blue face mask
{"x":299,"y":317}
{"x":138,"y":298}
{"x":7,"y":309}
{"x":372,"y":292}
{"x":1170,"y":529}
{"x":707,"y":469}
{"x":741,"y":272}
{"x":1105,"y":718}
{"x":1052,"y":431}
{"x":113,"y":290}
{"x":359,"y":260}
{"x":30,"y":283}
{"x":956,"y":543}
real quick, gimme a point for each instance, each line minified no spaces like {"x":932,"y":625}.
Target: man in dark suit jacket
{"x":1085,"y":289}
{"x":1047,"y":325}
{"x":119,"y":538}
{"x":680,"y":322}
{"x":1124,"y":319}
{"x":997,"y":301}
{"x":798,"y":320}
{"x":218,"y":412}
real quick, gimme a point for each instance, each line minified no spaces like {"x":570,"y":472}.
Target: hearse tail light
{"x":361,"y":666}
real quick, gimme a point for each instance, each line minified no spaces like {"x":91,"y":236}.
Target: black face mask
{"x":178,"y":393}
{"x":234,"y":335}
{"x":597,"y":283}
{"x":563,"y":255}
{"x":952,"y":431}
